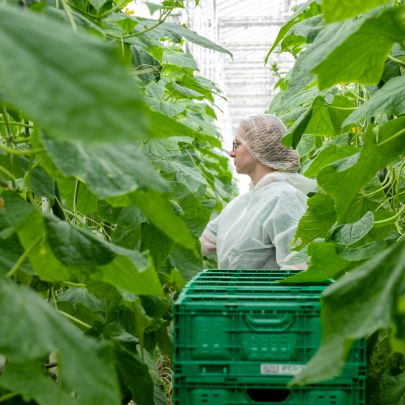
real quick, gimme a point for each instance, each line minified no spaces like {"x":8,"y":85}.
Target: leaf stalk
{"x":22,"y":258}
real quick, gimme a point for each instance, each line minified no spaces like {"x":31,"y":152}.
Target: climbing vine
{"x":344,"y":104}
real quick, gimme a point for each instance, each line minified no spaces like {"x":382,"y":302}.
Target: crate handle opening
{"x":268,"y":395}
{"x":279,"y":324}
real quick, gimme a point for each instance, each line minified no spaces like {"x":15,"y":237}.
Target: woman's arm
{"x":208,"y":239}
{"x":208,"y":243}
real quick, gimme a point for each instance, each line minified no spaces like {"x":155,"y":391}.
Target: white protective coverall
{"x":255,"y":230}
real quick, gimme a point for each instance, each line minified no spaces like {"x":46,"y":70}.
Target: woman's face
{"x":244,"y":162}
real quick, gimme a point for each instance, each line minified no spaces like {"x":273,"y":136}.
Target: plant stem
{"x":396,"y":60}
{"x":74,"y":319}
{"x":393,"y":218}
{"x":12,"y":151}
{"x":21,"y":140}
{"x":8,"y":173}
{"x":398,"y":183}
{"x":354,"y":94}
{"x":108,"y":12}
{"x":69,"y":15}
{"x":335,"y":107}
{"x":160,"y":21}
{"x":22,"y":258}
{"x":9,"y":137}
{"x":386,"y":183}
{"x":8,"y":396}
{"x":20,"y":124}
{"x":396,"y":135}
{"x":7,"y":125}
{"x":84,"y":12}
{"x":55,"y":303}
{"x":71,"y":284}
{"x":75,"y":193}
{"x":28,"y":178}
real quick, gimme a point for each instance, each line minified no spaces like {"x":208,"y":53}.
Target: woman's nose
{"x":232,"y":153}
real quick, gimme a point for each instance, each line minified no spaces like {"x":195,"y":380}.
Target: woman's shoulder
{"x":237,"y":202}
{"x":282,"y":195}
{"x":277,"y":189}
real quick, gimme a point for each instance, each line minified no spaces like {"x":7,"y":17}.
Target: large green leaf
{"x":293,"y":135}
{"x":179,"y":58}
{"x":132,"y":272}
{"x":60,"y":251}
{"x":34,"y":330}
{"x":192,"y":36}
{"x":126,"y":269}
{"x":354,"y":50}
{"x":300,"y":94}
{"x":301,"y":34}
{"x":358,"y":50}
{"x":324,"y":264}
{"x":196,"y":214}
{"x":389,"y":99}
{"x":364,"y":252}
{"x":10,"y":251}
{"x":190,"y":177}
{"x":107,"y":169}
{"x":28,"y":379}
{"x":75,"y":193}
{"x":349,"y":234}
{"x":40,"y":255}
{"x":128,"y":228}
{"x":186,"y":263}
{"x":82,"y":304}
{"x":179,"y":91}
{"x":147,"y":67}
{"x":328,"y":113}
{"x":317,"y":220}
{"x":344,"y":178}
{"x":13,"y":213}
{"x":97,"y":4}
{"x":71,"y":83}
{"x":203,"y":86}
{"x":23,"y":218}
{"x":335,"y":10}
{"x":172,"y":31}
{"x":75,"y":246}
{"x":328,"y":155}
{"x":308,"y":10}
{"x":157,"y":243}
{"x":357,"y":305}
{"x":129,"y":365}
{"x":323,"y":118}
{"x":38,"y":181}
{"x":163,"y":125}
{"x":160,"y":213}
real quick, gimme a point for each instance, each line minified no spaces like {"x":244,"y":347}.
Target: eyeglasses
{"x":235,"y":144}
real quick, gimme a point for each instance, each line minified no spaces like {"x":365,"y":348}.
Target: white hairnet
{"x":261,"y":135}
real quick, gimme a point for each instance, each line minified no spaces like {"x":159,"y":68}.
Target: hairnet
{"x":261,"y":135}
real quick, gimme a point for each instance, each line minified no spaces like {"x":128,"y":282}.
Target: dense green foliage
{"x":344,"y":103}
{"x":110,"y":167}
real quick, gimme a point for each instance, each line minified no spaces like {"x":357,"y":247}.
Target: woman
{"x":255,"y":230}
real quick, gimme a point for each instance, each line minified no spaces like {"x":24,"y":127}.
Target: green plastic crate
{"x":254,"y":282}
{"x":248,"y":276}
{"x":244,"y":274}
{"x":250,"y":337}
{"x":242,"y":391}
{"x":257,"y":328}
{"x":250,"y":287}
